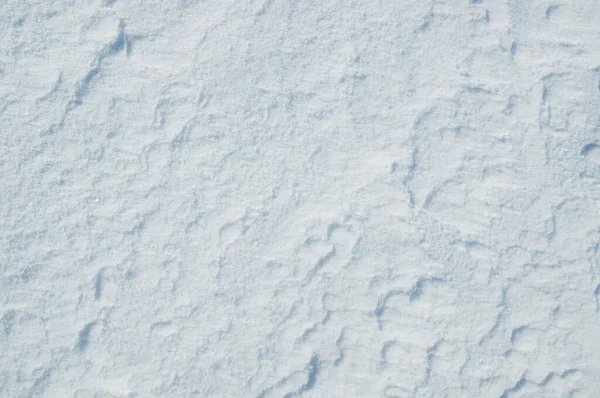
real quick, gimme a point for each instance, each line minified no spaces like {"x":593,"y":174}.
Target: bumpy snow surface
{"x":285,"y":198}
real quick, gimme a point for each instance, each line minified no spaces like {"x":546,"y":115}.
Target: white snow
{"x":281,"y":198}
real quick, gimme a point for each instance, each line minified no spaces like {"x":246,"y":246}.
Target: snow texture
{"x":284,"y":198}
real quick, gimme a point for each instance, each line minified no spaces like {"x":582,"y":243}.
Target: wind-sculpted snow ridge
{"x":281,"y":198}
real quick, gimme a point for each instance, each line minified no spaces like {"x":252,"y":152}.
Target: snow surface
{"x":282,"y":198}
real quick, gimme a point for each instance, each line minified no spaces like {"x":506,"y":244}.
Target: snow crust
{"x":283,"y":198}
